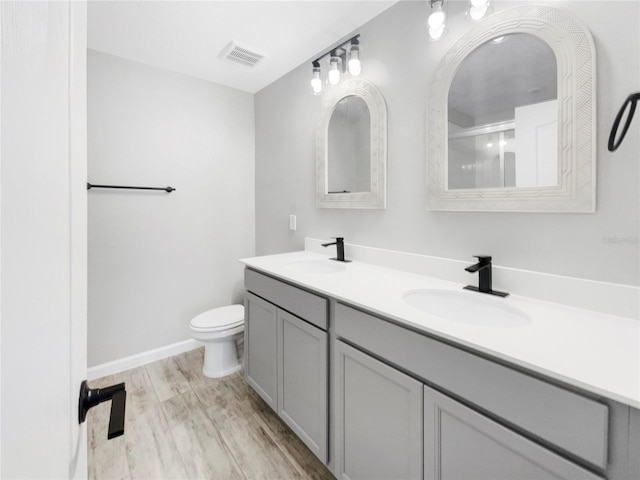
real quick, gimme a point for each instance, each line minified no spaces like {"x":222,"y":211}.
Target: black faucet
{"x":483,"y":267}
{"x":339,"y":243}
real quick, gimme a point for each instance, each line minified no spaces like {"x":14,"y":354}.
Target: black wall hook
{"x":629,"y":103}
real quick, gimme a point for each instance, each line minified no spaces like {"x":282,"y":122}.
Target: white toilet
{"x":217,"y":328}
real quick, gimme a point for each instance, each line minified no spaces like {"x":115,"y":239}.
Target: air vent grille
{"x":242,"y":55}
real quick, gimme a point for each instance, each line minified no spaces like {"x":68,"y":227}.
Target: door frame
{"x":69,"y":44}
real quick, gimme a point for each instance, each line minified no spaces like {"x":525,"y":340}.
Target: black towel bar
{"x":166,"y":189}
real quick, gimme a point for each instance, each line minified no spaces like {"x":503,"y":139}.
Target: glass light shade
{"x":354,"y":62}
{"x":437,"y":17}
{"x":478,"y":9}
{"x":476,"y":13}
{"x":436,"y":33}
{"x":316,"y":82}
{"x":334,"y":70}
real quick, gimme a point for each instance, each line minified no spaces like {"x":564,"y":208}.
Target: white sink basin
{"x":316,"y":267}
{"x":467,"y":307}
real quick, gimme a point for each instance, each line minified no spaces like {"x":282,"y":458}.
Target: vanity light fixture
{"x":437,"y":20}
{"x":343,"y":58}
{"x":478,"y":9}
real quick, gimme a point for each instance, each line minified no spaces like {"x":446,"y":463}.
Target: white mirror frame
{"x":377,"y":196}
{"x":575,"y":53}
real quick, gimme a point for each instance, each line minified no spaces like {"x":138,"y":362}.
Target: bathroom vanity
{"x":378,"y":388}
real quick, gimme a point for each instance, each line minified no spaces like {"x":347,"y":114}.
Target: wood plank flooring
{"x":181,"y":425}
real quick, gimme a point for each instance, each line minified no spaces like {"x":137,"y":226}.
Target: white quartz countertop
{"x":597,"y":352}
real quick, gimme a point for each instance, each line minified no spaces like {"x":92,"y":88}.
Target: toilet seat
{"x":222,"y":318}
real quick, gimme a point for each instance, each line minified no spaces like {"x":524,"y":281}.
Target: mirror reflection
{"x":349,"y":147}
{"x":503,"y":116}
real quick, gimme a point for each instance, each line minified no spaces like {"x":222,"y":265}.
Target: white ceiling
{"x":188,"y":36}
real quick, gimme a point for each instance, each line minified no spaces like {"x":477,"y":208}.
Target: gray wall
{"x":398,"y":58}
{"x":157,"y":259}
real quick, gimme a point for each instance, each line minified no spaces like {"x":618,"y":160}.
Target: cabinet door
{"x":460,"y":443}
{"x":302,"y":392}
{"x":260,"y":348}
{"x":378,"y":419}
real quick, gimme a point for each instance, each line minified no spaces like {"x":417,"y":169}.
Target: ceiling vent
{"x":242,"y":55}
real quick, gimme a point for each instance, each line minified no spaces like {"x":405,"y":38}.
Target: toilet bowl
{"x":217,"y":329}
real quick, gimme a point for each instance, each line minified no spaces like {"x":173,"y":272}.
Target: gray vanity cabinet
{"x":460,"y":443}
{"x":303,"y":374}
{"x":260,"y":347}
{"x":286,"y":359}
{"x":378,"y":419}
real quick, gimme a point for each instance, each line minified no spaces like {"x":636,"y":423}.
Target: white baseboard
{"x":139,"y":359}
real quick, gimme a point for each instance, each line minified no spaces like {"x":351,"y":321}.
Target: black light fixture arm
{"x":333,"y":50}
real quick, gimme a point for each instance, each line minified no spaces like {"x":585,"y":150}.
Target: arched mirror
{"x":512,"y":117}
{"x":351,"y":152}
{"x":502,"y":113}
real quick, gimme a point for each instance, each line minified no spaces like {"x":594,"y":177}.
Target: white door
{"x":537,"y":145}
{"x":43,"y":247}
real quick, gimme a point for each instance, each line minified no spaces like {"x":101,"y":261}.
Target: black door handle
{"x":90,"y":397}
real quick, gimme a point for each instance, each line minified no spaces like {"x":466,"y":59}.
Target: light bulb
{"x":476,"y":13}
{"x":316,"y":84}
{"x":436,"y":33}
{"x":354,"y":62}
{"x":478,"y":10}
{"x":437,"y":17}
{"x":316,"y":81}
{"x":354,"y":67}
{"x":334,"y":70}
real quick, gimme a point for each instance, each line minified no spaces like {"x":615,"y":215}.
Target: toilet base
{"x":220,"y":374}
{"x":221,"y":358}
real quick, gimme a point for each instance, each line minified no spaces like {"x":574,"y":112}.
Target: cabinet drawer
{"x":570,"y":421}
{"x":308,"y":306}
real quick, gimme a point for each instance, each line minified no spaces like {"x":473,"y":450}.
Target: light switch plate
{"x":292,"y":222}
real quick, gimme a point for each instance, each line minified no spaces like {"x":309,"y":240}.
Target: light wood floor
{"x":180,"y":424}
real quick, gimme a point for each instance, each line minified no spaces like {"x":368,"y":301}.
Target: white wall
{"x":397,"y":57}
{"x":158,"y":259}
